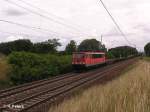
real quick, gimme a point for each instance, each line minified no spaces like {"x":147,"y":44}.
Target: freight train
{"x":81,"y":60}
{"x":88,"y":59}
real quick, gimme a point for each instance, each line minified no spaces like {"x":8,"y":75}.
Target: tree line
{"x":147,"y":49}
{"x":49,"y":46}
{"x":123,"y":51}
{"x":34,"y":61}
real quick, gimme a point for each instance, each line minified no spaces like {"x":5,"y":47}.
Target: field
{"x":147,"y":58}
{"x":128,"y":93}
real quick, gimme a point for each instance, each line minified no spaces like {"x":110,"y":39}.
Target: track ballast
{"x":39,"y":95}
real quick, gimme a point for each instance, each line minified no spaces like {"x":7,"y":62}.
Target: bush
{"x":109,"y":55}
{"x":29,"y":67}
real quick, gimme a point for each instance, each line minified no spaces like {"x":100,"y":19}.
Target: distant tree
{"x":109,"y":55}
{"x":103,"y":48}
{"x":5,"y":48}
{"x":71,"y":47}
{"x":61,"y":53}
{"x":22,"y":45}
{"x":54,"y":43}
{"x":49,"y":46}
{"x":147,"y":49}
{"x":17,"y":45}
{"x":91,"y":45}
{"x":123,"y":51}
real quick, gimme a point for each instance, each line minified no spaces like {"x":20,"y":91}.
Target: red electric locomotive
{"x":88,"y":59}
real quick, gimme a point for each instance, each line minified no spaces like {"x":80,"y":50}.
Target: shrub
{"x":28,"y":67}
{"x":109,"y":55}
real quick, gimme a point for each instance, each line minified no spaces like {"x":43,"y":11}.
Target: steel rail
{"x":85,"y":80}
{"x":31,"y":83}
{"x":30,"y":86}
{"x":62,"y":92}
{"x":84,"y":76}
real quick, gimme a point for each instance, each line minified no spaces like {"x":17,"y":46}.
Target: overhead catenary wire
{"x":47,"y":31}
{"x":46,"y":12}
{"x":41,"y":15}
{"x":19,"y":34}
{"x":62,"y":18}
{"x":115,"y":22}
{"x":26,"y":26}
{"x":24,"y":35}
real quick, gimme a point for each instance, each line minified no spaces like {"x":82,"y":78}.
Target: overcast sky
{"x":77,"y":20}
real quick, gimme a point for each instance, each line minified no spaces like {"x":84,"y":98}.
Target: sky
{"x":76,"y":20}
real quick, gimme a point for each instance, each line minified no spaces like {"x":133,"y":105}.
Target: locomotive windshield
{"x":78,"y":55}
{"x":98,"y":55}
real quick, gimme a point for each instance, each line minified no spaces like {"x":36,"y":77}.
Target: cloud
{"x":14,"y":12}
{"x":11,"y":38}
{"x":88,"y":16}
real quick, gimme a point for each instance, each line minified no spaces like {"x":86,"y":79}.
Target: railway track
{"x":35,"y":83}
{"x":37,"y":96}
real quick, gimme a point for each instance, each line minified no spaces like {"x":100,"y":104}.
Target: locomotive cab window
{"x":97,"y":55}
{"x":78,"y":56}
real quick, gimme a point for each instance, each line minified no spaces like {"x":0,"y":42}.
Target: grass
{"x":128,"y":93}
{"x":4,"y":69}
{"x":147,"y":58}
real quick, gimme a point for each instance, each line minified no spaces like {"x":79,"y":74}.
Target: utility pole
{"x":102,"y":47}
{"x":101,"y":39}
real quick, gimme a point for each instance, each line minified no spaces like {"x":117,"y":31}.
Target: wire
{"x":26,"y":26}
{"x":50,"y":14}
{"x":24,"y":34}
{"x":41,"y":15}
{"x":122,"y":33}
{"x":32,"y":27}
